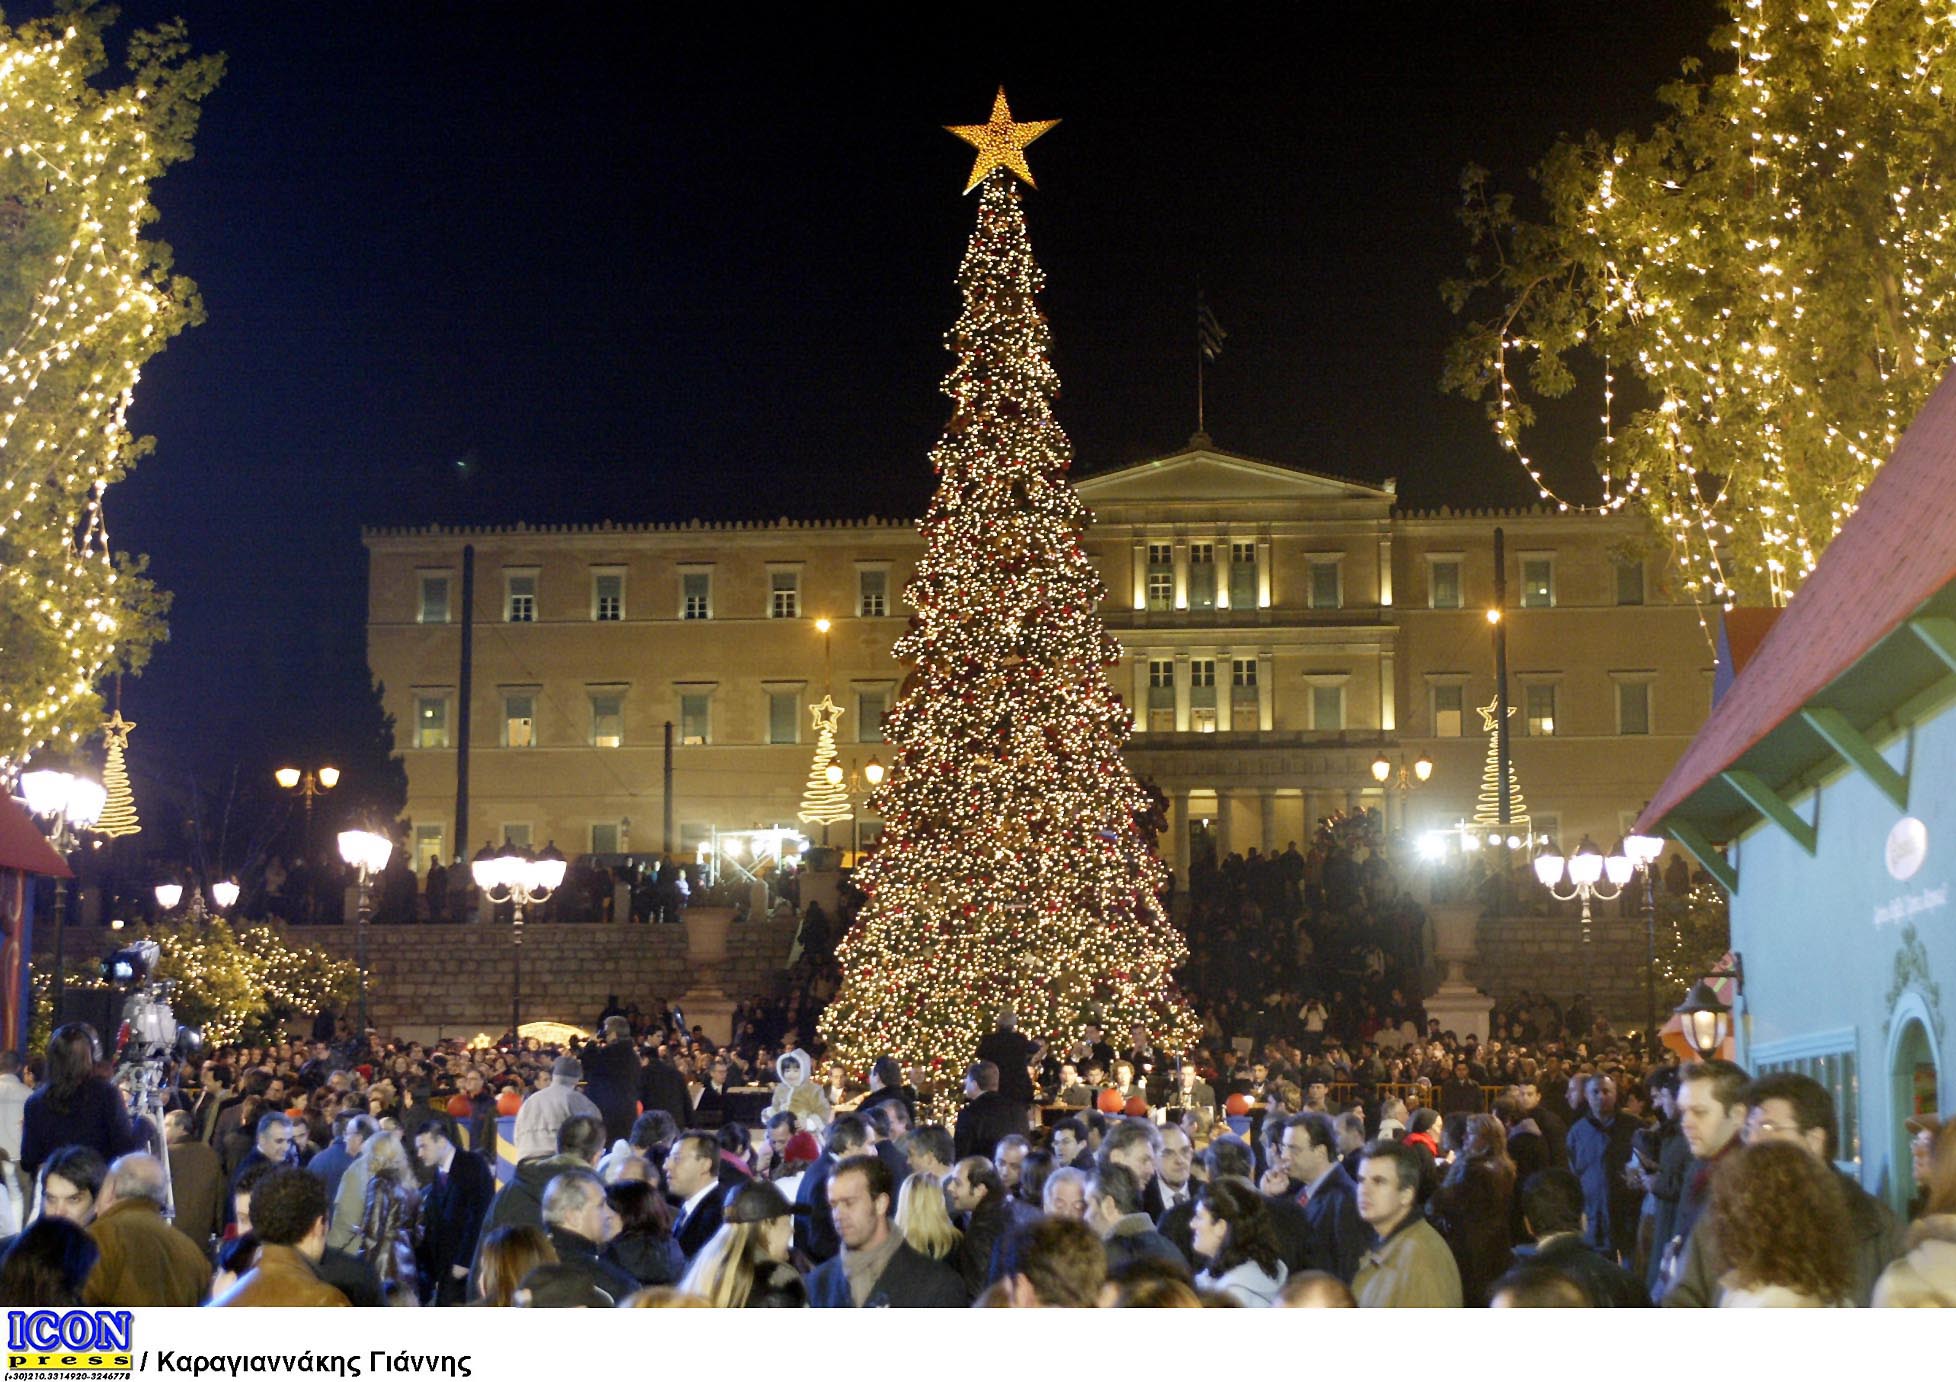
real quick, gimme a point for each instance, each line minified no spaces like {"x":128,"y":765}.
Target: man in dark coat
{"x":1551,"y":1209}
{"x":273,"y":1147}
{"x":886,"y":1086}
{"x":580,"y":1221}
{"x":974,"y":1192}
{"x":1008,"y":1049}
{"x":452,"y":1210}
{"x":662,"y":1088}
{"x":580,"y":1142}
{"x":612,"y":1078}
{"x":1126,"y":1232}
{"x":815,"y":1235}
{"x":196,"y":1181}
{"x":693,"y":1178}
{"x":987,"y":1116}
{"x":1313,"y":1177}
{"x":876,"y":1268}
{"x":1599,"y":1148}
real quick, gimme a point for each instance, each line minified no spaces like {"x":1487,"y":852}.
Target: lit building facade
{"x":1280,"y":629}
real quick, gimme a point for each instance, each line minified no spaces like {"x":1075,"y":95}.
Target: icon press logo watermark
{"x":69,"y":1346}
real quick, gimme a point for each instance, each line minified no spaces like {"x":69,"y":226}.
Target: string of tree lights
{"x":86,"y":301}
{"x":1770,"y":269}
{"x":1012,"y":868}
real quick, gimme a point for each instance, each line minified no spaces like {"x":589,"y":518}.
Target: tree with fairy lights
{"x":1765,"y":279}
{"x":85,"y":301}
{"x":1013,"y":867}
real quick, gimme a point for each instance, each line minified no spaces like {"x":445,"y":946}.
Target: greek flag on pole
{"x":1208,"y":331}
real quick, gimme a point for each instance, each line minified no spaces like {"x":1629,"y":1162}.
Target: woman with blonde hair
{"x":1474,"y":1206}
{"x":508,"y":1254}
{"x":1926,"y":1274}
{"x":1781,"y":1221}
{"x":923,"y":1219}
{"x":744,"y":1265}
{"x":390,"y":1221}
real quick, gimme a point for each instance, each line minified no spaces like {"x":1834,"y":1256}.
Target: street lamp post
{"x":308,"y":784}
{"x":860,"y":784}
{"x":70,"y":804}
{"x":1382,"y":771}
{"x":368,"y":853}
{"x":1704,"y":1016}
{"x":1586,"y":869}
{"x":1643,"y":851}
{"x":522,"y":879}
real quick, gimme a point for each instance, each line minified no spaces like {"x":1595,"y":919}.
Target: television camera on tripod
{"x":150,"y":1047}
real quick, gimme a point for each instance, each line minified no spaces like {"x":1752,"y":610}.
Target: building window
{"x":1161,"y":576}
{"x":1633,"y":707}
{"x":434,"y":598}
{"x":871,"y":706}
{"x":608,"y":596}
{"x":1327,"y":707}
{"x":696,"y":595}
{"x":520,"y":597}
{"x":1443,"y":590}
{"x":1202,"y":575}
{"x":1539,"y":708}
{"x":1537,"y":582}
{"x":784,"y":717}
{"x":1242,"y":672}
{"x":873,"y":594}
{"x":1242,"y":575}
{"x":1161,"y":695}
{"x":695,"y":725}
{"x":1324,"y":585}
{"x":520,"y":720}
{"x":607,"y":719}
{"x":784,"y":592}
{"x":431,"y":722}
{"x":517,"y":833}
{"x":607,"y":837}
{"x":1202,"y":694}
{"x":1449,"y":713}
{"x":1836,"y":1071}
{"x":1630,"y":582}
{"x":430,"y":846}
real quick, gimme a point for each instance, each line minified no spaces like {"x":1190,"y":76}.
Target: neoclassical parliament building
{"x":1280,"y":630}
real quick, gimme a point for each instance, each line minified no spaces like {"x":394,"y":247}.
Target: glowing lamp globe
{"x":365,"y":850}
{"x":1618,"y":869}
{"x":1110,"y":1101}
{"x":548,"y":871}
{"x":1643,"y":849}
{"x":168,"y":895}
{"x":1548,"y":868}
{"x":833,"y":773}
{"x":1381,"y":768}
{"x":224,"y":892}
{"x":287,"y":778}
{"x":1237,"y":1105}
{"x":329,"y":778}
{"x":1585,"y":869}
{"x":874,"y":771}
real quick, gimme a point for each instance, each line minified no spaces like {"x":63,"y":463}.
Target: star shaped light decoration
{"x":1001,"y":142}
{"x":827,"y":715}
{"x":115,"y":730}
{"x":1487,"y":714}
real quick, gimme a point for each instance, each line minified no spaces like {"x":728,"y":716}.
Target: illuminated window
{"x":873,"y":592}
{"x":1539,"y":709}
{"x":784,"y":589}
{"x":608,"y":596}
{"x":1202,"y":575}
{"x":520,"y":720}
{"x":434,"y":598}
{"x":1242,"y":575}
{"x":1537,"y":582}
{"x":1161,"y":576}
{"x":1444,"y":591}
{"x":871,"y":706}
{"x":431,"y":722}
{"x":1449,"y":714}
{"x":607,"y":720}
{"x":1161,"y":695}
{"x":694,"y":723}
{"x":520,"y":597}
{"x":696,"y":595}
{"x":430,"y":846}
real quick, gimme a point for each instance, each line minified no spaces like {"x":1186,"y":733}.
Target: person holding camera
{"x":77,"y":1106}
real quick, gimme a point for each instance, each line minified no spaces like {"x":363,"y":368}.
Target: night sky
{"x":472,"y":263}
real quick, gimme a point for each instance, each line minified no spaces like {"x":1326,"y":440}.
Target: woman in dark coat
{"x":390,"y":1221}
{"x":1474,"y":1207}
{"x":76,"y":1107}
{"x":644,"y":1245}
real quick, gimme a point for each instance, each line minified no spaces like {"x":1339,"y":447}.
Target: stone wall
{"x":1546,"y":954}
{"x":428,"y":981}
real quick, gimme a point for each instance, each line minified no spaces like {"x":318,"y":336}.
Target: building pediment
{"x":1201,"y":474}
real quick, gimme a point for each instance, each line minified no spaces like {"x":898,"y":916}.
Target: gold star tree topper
{"x":827,"y":715}
{"x":1001,"y":142}
{"x":1488,"y":719}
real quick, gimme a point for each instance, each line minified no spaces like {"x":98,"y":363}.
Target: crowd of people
{"x":653,"y":1167}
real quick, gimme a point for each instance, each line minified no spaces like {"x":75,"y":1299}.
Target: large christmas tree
{"x":1012,"y":868}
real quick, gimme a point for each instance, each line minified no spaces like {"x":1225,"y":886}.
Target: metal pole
{"x":665,"y":845}
{"x":60,"y":915}
{"x":360,"y":939}
{"x":516,"y":995}
{"x":1650,"y":961}
{"x":464,"y":696}
{"x":1501,"y":673}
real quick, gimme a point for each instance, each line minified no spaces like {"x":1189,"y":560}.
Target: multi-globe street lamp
{"x":309,"y":783}
{"x":70,"y":804}
{"x":367,"y":852}
{"x":1409,"y":781}
{"x":1587,"y":869}
{"x":860,"y":784}
{"x":522,"y":879}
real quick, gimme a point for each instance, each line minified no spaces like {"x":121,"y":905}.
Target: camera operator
{"x":77,"y":1106}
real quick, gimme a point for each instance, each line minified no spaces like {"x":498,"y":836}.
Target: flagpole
{"x":1199,"y":428}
